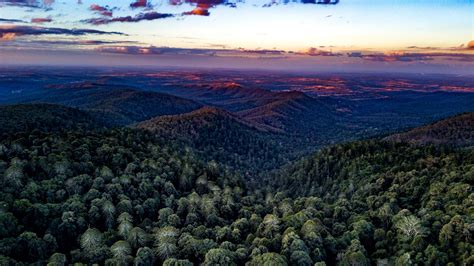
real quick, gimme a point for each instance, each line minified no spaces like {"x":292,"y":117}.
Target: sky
{"x":306,"y":35}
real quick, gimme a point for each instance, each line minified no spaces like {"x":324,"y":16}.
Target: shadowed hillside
{"x":120,"y":105}
{"x":293,"y":113}
{"x":222,"y":136}
{"x":45,"y":117}
{"x":457,"y":130}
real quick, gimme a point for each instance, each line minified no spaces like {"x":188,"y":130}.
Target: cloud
{"x":102,"y":10}
{"x":140,"y":4}
{"x":262,"y":51}
{"x":28,"y":3}
{"x":210,"y":52}
{"x":12,"y":20}
{"x":412,"y":57}
{"x":312,"y":51}
{"x":202,"y":6}
{"x":462,"y":47}
{"x":41,"y":20}
{"x":7,"y":36}
{"x":470,"y":45}
{"x":142,"y":16}
{"x":391,"y":56}
{"x":153,"y":50}
{"x":320,"y":2}
{"x":197,"y":12}
{"x":9,"y":32}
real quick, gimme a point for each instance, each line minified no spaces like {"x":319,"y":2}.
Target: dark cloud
{"x":140,"y":4}
{"x":9,"y":32}
{"x":461,"y":47}
{"x":202,"y":6}
{"x":41,"y":20}
{"x":28,"y":3}
{"x":314,"y":2}
{"x":102,"y":10}
{"x":412,"y":57}
{"x":12,"y":20}
{"x":153,"y":50}
{"x":391,"y":57}
{"x":262,"y":51}
{"x":142,"y":16}
{"x":82,"y":42}
{"x":320,"y":2}
{"x":312,"y":51}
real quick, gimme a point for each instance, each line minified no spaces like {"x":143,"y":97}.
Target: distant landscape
{"x":189,"y":167}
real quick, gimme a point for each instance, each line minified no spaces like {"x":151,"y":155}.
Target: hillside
{"x":230,"y":96}
{"x":293,"y":113}
{"x":457,"y":131}
{"x":385,"y":201}
{"x":121,"y":105}
{"x":222,"y":136}
{"x":46,"y":117}
{"x":130,"y":196}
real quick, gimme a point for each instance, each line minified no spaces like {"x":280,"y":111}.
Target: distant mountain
{"x":230,"y":96}
{"x":457,"y":131}
{"x":122,"y":105}
{"x":220,"y":135}
{"x":292,"y":112}
{"x":45,"y":117}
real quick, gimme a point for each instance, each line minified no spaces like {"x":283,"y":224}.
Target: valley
{"x":189,"y":168}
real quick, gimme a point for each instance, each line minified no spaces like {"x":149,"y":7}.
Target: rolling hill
{"x":219,"y":135}
{"x":230,"y":96}
{"x":457,"y":130}
{"x":292,"y":113}
{"x":121,"y":106}
{"x":46,"y":117}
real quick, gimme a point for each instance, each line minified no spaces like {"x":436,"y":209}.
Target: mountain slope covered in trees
{"x":45,"y":117}
{"x":123,"y":196}
{"x":457,"y":130}
{"x":119,"y":105}
{"x":220,"y":135}
{"x":292,"y":113}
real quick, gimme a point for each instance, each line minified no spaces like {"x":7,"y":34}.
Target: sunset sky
{"x":419,"y":35}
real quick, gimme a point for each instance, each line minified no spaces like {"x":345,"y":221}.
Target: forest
{"x":86,"y":194}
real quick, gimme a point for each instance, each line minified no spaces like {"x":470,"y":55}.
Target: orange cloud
{"x":7,"y":36}
{"x":198,"y":12}
{"x":470,"y":45}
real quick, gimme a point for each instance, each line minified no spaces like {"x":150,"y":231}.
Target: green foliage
{"x":128,"y":196}
{"x":268,"y":259}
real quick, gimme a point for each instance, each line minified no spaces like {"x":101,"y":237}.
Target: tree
{"x":355,"y":255}
{"x":121,"y":251}
{"x":165,"y":241}
{"x":125,"y":224}
{"x":108,"y":210}
{"x":57,"y":259}
{"x":144,"y":257}
{"x":219,"y":256}
{"x":270,"y":225}
{"x":410,"y":226}
{"x":137,"y":237}
{"x":92,"y":244}
{"x":14,"y":174}
{"x":267,"y":259}
{"x":300,"y":258}
{"x":176,"y":262}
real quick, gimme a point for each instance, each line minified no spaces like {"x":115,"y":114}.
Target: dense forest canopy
{"x":123,"y":196}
